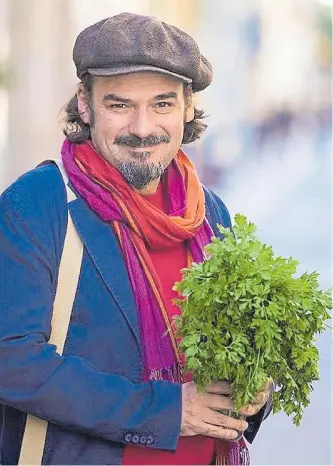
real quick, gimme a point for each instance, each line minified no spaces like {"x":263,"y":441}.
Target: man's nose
{"x":142,"y":124}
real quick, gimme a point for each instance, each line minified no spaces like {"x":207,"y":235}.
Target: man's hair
{"x":77,"y":131}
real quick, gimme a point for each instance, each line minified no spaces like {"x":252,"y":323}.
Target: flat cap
{"x":130,"y":43}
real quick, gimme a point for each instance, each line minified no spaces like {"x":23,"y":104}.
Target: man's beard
{"x":137,"y":172}
{"x":139,"y":175}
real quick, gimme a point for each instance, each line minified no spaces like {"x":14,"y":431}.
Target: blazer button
{"x":150,"y":440}
{"x":143,"y":439}
{"x":135,"y":439}
{"x":128,"y":437}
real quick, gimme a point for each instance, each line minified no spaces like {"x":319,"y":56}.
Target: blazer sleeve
{"x":217,"y":213}
{"x":68,"y":391}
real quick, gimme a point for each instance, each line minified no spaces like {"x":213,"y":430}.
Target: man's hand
{"x":200,"y":416}
{"x":260,"y":400}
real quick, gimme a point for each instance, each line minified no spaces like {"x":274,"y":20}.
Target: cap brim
{"x":135,"y":69}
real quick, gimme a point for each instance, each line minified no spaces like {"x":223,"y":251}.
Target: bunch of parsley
{"x":247,"y":317}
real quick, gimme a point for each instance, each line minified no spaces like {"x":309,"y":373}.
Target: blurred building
{"x":261,"y":51}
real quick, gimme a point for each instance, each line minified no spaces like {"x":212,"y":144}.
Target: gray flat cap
{"x":130,"y":43}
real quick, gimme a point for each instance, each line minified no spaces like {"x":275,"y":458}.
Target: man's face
{"x":137,"y":123}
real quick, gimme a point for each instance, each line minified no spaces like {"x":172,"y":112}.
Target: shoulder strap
{"x":216,"y":212}
{"x":34,"y":437}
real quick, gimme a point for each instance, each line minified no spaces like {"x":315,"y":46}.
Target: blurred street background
{"x":267,"y":151}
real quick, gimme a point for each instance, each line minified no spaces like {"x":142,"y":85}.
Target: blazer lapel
{"x":102,"y":244}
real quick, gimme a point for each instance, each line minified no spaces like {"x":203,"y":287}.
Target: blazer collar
{"x":102,"y":245}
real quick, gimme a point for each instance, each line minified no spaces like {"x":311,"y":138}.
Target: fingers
{"x":222,"y":433}
{"x":260,"y":400}
{"x":220,"y":388}
{"x":221,"y":420}
{"x":262,"y":397}
{"x":250,"y":410}
{"x":202,"y":412}
{"x":256,"y":406}
{"x":218,"y":402}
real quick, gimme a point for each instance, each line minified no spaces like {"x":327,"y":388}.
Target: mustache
{"x":135,"y":141}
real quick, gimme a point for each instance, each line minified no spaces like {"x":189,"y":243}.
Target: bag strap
{"x":34,"y":437}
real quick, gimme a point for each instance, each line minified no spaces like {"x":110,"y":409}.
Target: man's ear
{"x":189,"y":110}
{"x":82,"y":102}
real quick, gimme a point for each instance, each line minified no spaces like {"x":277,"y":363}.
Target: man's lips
{"x":141,"y":148}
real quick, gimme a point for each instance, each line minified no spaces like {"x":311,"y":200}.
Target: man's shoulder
{"x":217,"y":211}
{"x":39,"y":188}
{"x":43,"y":180}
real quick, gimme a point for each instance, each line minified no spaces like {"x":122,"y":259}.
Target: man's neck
{"x":150,"y":189}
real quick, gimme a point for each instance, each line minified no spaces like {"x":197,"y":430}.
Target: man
{"x":117,"y":393}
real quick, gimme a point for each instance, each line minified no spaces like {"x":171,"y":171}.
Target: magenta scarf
{"x":160,"y":349}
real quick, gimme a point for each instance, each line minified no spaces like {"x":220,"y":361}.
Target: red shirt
{"x":190,"y":450}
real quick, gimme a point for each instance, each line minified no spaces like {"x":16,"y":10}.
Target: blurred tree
{"x":324,"y":43}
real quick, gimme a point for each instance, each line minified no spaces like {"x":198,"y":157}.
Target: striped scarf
{"x":139,"y":224}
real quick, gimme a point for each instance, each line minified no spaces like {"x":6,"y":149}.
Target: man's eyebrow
{"x":168,"y":95}
{"x":117,"y":98}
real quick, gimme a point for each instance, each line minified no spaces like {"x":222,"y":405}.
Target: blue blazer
{"x":93,"y":395}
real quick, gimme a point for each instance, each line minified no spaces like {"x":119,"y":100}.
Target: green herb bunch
{"x":246,"y":317}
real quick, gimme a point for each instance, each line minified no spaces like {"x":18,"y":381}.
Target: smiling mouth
{"x":140,"y":150}
{"x":143,"y":147}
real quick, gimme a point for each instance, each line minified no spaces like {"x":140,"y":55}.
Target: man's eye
{"x":118,"y":106}
{"x":164,"y":104}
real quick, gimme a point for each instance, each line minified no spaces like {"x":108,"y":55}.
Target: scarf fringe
{"x":238,"y":455}
{"x":174,"y":373}
{"x":221,"y":460}
{"x":232,"y":453}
